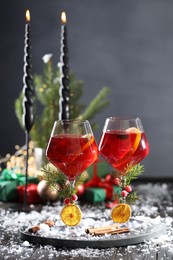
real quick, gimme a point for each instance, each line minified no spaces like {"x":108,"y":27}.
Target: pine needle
{"x":132,"y":197}
{"x":97,"y":104}
{"x":53,"y":177}
{"x":134,"y":173}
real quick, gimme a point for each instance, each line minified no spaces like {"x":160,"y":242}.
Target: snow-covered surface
{"x":153,"y":208}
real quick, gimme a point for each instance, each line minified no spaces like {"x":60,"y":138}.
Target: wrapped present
{"x":94,"y":195}
{"x":31,"y":179}
{"x":32,"y":194}
{"x":8,"y":190}
{"x":103,"y":168}
{"x":97,"y":194}
{"x":102,"y":185}
{"x":9,"y":181}
{"x":20,"y":178}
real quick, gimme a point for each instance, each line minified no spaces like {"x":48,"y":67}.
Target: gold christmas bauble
{"x":47,"y":193}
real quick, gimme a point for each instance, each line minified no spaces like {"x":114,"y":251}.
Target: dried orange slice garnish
{"x":71,"y":215}
{"x":138,"y":137}
{"x":121,"y":213}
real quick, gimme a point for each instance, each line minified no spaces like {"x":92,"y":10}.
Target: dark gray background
{"x":126,"y":45}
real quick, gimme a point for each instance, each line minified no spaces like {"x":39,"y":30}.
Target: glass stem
{"x":123,"y":185}
{"x":72,"y":183}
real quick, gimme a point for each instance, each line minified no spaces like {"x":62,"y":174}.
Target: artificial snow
{"x":153,"y":208}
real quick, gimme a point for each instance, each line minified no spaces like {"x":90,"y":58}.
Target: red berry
{"x":124,"y":193}
{"x":74,"y":197}
{"x":128,"y":188}
{"x":116,"y":181}
{"x":67,"y":201}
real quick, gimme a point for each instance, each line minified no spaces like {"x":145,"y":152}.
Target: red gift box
{"x":32,"y":194}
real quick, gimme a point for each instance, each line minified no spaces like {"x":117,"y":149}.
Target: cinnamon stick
{"x":104,"y":228}
{"x":49,"y":222}
{"x":112,"y":232}
{"x":36,"y":228}
{"x":113,"y":229}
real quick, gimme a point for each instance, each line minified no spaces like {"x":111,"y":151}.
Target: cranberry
{"x":124,"y":193}
{"x":128,"y":188}
{"x":67,"y":201}
{"x":74,"y":197}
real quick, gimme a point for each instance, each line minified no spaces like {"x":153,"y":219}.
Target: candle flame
{"x":63,"y":17}
{"x":27,"y":16}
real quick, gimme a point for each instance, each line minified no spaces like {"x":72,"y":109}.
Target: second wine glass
{"x":123,"y":144}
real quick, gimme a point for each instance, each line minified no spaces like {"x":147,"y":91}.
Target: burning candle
{"x":28,"y":90}
{"x":28,"y":101}
{"x":64,"y":91}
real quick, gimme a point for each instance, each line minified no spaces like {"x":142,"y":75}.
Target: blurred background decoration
{"x":126,"y":45}
{"x":47,"y":102}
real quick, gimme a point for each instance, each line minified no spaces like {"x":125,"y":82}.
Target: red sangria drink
{"x":123,"y":148}
{"x":123,"y":143}
{"x":71,"y":149}
{"x":72,"y":153}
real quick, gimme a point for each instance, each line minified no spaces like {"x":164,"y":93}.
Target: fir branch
{"x":76,"y":92}
{"x":39,"y":86}
{"x":132,"y":197}
{"x":96,"y":105}
{"x":19,"y":109}
{"x":134,"y":173}
{"x":48,"y":73}
{"x":66,"y":191}
{"x":53,"y":177}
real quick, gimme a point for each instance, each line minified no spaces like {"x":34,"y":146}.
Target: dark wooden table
{"x":155,"y":196}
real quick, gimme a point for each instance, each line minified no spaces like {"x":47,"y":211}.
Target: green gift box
{"x":11,"y":175}
{"x":95,"y":195}
{"x":9,"y":181}
{"x":103,"y":168}
{"x":8,"y":190}
{"x":21,"y":180}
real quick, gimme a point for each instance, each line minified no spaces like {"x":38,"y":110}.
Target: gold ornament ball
{"x":47,"y":193}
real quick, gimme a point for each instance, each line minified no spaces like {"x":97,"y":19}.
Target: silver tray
{"x":135,"y":236}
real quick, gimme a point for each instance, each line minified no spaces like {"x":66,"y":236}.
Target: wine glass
{"x":123,"y":144}
{"x":72,"y":149}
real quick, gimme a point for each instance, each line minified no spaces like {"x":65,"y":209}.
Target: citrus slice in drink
{"x":137,"y":139}
{"x":90,"y":141}
{"x":71,"y":215}
{"x":121,"y":213}
{"x":134,"y":145}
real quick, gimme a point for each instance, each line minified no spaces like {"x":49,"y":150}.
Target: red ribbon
{"x":106,"y":184}
{"x":32,"y":194}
